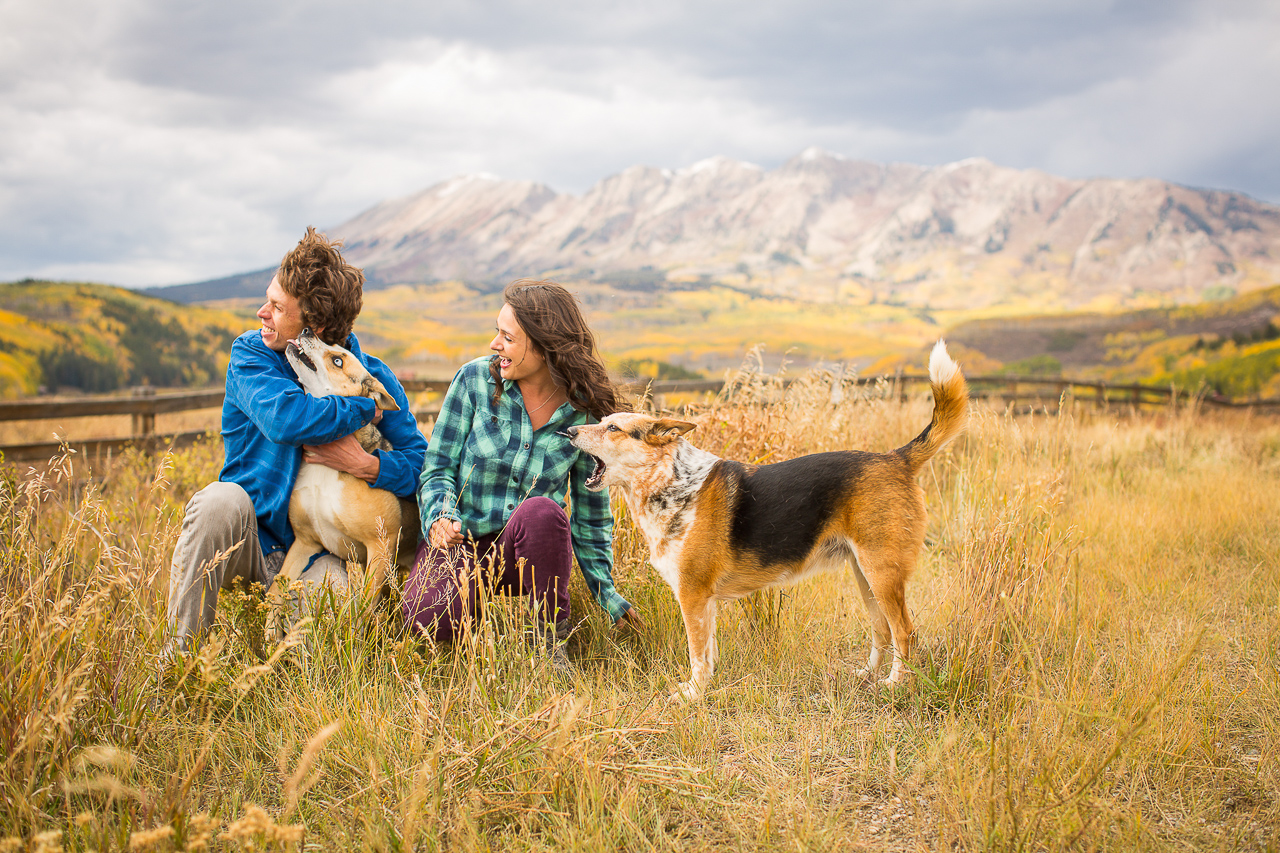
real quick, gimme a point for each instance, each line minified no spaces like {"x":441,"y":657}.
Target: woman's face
{"x":517,"y":357}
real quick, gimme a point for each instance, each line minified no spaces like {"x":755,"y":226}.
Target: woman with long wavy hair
{"x":492,"y":491}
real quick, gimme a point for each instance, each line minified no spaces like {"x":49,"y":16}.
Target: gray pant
{"x":217,"y":548}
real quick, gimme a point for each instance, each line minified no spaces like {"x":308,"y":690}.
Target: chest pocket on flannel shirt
{"x":488,"y":446}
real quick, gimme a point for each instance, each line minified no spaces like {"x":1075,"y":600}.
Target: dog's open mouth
{"x":596,"y":481}
{"x":301,"y":356}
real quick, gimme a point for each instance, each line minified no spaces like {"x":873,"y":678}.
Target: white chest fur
{"x":322,"y":491}
{"x":667,"y":522}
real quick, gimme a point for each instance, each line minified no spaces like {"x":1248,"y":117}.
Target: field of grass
{"x":1099,"y":643}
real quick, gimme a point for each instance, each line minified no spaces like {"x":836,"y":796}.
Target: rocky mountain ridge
{"x":967,"y":234}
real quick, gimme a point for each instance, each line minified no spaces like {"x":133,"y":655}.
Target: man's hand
{"x":345,"y":454}
{"x":445,"y":532}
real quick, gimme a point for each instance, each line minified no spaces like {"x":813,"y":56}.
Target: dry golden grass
{"x":1099,"y":643}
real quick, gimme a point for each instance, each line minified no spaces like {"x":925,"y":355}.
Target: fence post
{"x":144,"y":423}
{"x":837,"y":386}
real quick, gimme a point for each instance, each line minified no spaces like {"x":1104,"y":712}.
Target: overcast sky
{"x":147,"y":142}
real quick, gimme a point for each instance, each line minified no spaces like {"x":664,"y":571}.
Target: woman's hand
{"x":632,"y":620}
{"x":445,"y":532}
{"x":345,"y":454}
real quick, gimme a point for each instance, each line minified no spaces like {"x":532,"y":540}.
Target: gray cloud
{"x":146,"y":142}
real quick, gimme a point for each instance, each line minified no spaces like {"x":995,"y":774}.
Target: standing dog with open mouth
{"x":335,"y":511}
{"x":719,"y":530}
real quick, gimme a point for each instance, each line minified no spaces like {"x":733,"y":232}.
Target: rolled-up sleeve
{"x":438,"y":485}
{"x":591,"y":529}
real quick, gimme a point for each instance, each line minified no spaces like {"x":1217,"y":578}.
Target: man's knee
{"x":329,"y":571}
{"x":217,"y":517}
{"x":222,"y":498}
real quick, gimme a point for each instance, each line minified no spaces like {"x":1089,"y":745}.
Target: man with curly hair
{"x":237,"y":529}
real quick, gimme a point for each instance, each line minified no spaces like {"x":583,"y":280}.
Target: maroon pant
{"x":532,"y":555}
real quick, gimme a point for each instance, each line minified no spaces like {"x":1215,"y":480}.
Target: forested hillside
{"x":95,"y":338}
{"x":1231,"y":347}
{"x":61,"y":336}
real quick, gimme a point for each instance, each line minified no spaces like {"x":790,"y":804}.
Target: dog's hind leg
{"x":885,"y":572}
{"x":881,"y":637}
{"x":699,"y":611}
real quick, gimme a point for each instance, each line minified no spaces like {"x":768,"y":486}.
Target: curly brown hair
{"x":551,"y":319}
{"x":329,"y":290}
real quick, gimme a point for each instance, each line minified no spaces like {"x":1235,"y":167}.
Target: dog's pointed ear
{"x":671,"y":426}
{"x":375,"y":389}
{"x":666,"y":430}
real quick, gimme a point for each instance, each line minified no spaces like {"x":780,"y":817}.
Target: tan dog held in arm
{"x":332,"y":510}
{"x":719,"y":530}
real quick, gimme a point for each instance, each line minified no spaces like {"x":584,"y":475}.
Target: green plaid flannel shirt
{"x":482,"y":462}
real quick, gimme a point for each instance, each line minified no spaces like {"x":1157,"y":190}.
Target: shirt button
{"x":526,"y":447}
{"x":495,"y":419}
{"x":511,"y":506}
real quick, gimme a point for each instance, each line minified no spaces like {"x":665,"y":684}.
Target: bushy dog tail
{"x":950,"y":403}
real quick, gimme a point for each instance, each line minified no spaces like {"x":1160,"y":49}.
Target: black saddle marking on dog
{"x":779,"y":509}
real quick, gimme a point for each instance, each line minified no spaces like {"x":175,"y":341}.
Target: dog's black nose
{"x":568,"y":432}
{"x":307,"y":333}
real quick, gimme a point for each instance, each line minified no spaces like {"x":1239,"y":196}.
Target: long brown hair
{"x":552,"y":321}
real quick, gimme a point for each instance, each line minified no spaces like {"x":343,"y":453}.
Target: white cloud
{"x":470,"y":109}
{"x":1184,"y":119}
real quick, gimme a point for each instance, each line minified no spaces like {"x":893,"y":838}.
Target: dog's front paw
{"x":685,"y":693}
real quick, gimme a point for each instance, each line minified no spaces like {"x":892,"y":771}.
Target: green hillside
{"x":96,"y":338}
{"x":1231,"y":346}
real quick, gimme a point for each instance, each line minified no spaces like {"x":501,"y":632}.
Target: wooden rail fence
{"x":145,"y":403}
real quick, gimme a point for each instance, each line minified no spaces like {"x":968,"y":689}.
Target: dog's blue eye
{"x":337,"y":361}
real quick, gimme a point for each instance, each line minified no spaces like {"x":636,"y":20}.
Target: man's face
{"x":281,"y":317}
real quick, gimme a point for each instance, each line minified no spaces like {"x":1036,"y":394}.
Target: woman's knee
{"x":428,"y":597}
{"x":429,"y":612}
{"x":542,"y":511}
